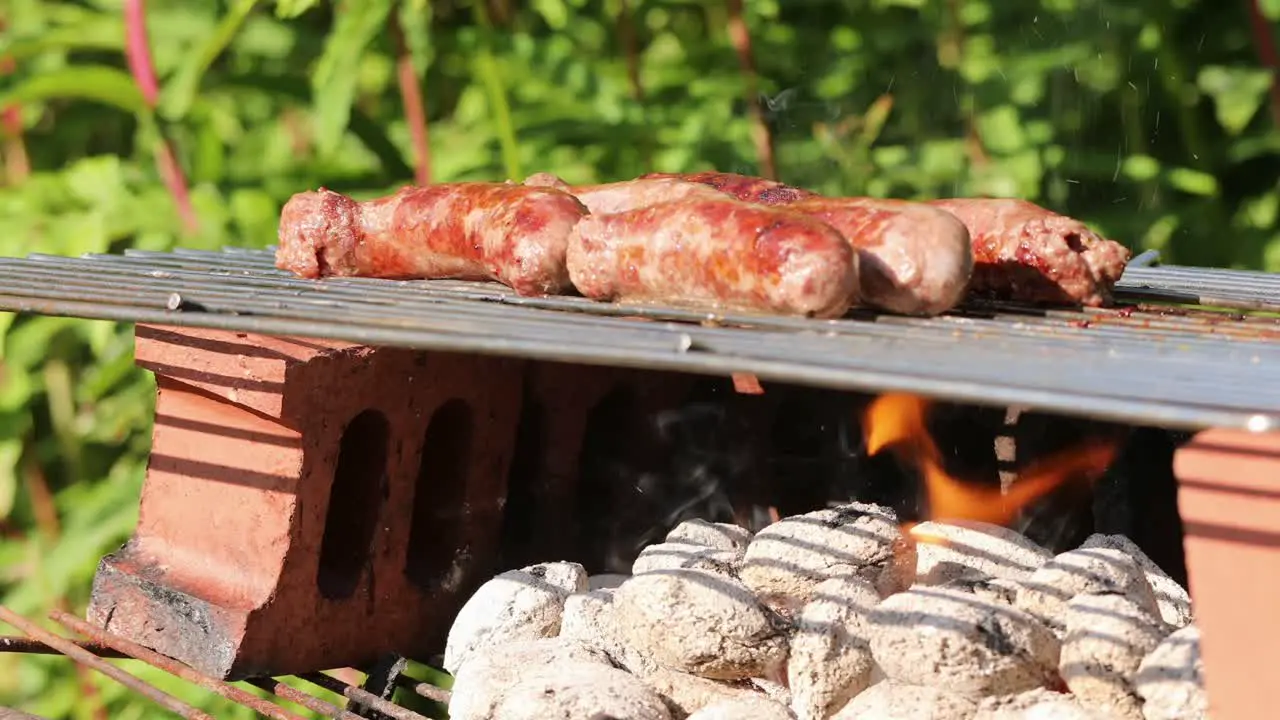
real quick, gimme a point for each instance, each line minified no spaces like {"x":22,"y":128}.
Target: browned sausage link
{"x":474,"y":231}
{"x":912,"y":259}
{"x":1027,"y":253}
{"x":614,"y":197}
{"x":546,"y":179}
{"x":743,"y":187}
{"x":716,"y":255}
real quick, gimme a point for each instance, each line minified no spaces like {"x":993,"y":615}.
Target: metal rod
{"x":1112,"y":404}
{"x":1145,"y":259}
{"x":14,"y":644}
{"x":314,"y":704}
{"x":171,"y":666}
{"x":88,"y":659}
{"x":333,"y":684}
{"x":426,"y":690}
{"x":1171,"y":368}
{"x":115,"y":279}
{"x":380,"y":680}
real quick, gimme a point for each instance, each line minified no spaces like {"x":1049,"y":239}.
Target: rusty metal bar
{"x":364,"y":697}
{"x":426,"y":690}
{"x":88,"y":659}
{"x":171,"y":666}
{"x":27,"y":646}
{"x":314,"y":704}
{"x":380,"y":680}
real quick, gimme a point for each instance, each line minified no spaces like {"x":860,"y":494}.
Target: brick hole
{"x":354,"y":500}
{"x":439,"y":496}
{"x":607,"y":465}
{"x":527,"y":460}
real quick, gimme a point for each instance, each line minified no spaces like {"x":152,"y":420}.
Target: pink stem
{"x":414,"y":111}
{"x":138,"y":51}
{"x":17,"y":165}
{"x":138,"y":54}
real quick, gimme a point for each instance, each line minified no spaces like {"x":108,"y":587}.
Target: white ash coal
{"x":839,"y":613}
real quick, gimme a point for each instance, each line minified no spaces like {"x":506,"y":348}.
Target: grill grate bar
{"x":88,"y":659}
{"x":1237,"y":289}
{"x":125,"y":285}
{"x":102,"y":644}
{"x":206,"y":263}
{"x":1166,"y":366}
{"x":1257,"y":290}
{"x":366,"y":698}
{"x":314,"y":704}
{"x":173,"y":667}
{"x":549,"y":325}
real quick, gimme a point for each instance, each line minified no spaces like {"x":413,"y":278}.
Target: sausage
{"x":470,"y":231}
{"x":1027,"y":253}
{"x":715,"y":254}
{"x":912,"y":259}
{"x":743,"y":187}
{"x":619,"y":197}
{"x":615,"y":197}
{"x":546,"y":179}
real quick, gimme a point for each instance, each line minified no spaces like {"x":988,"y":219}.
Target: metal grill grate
{"x":361,"y":704}
{"x":1157,"y":363}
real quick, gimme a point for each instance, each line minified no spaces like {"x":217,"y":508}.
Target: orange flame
{"x":896,"y":423}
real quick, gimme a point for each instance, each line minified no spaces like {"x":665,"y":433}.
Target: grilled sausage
{"x":471,"y":231}
{"x":715,"y":254}
{"x":912,"y":259}
{"x":546,"y":179}
{"x":743,"y":187}
{"x":616,"y":197}
{"x":1027,"y":253}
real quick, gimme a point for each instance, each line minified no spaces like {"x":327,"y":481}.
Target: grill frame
{"x":1174,"y":367}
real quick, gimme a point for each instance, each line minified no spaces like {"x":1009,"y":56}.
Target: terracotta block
{"x":309,"y":504}
{"x":1229,"y":498}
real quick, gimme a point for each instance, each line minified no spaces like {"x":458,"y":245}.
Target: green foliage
{"x":1150,"y":119}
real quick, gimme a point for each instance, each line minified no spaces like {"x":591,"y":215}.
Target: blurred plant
{"x":187,"y":122}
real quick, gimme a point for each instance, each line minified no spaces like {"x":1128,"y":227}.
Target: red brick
{"x":224,"y":569}
{"x":1230,"y":509}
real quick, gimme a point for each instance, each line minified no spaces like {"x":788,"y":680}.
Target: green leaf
{"x":1002,"y":130}
{"x":334,"y":82}
{"x":10,"y":454}
{"x":1271,"y":255}
{"x":98,"y":83}
{"x":1141,"y":167}
{"x":289,"y":9}
{"x":1193,"y":182}
{"x":554,"y":12}
{"x":103,"y":34}
{"x":6,"y":319}
{"x":1237,"y":94}
{"x":1259,"y":212}
{"x":180,"y":91}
